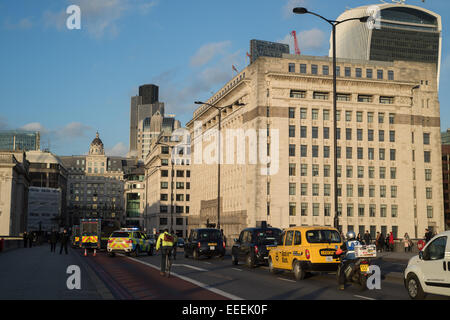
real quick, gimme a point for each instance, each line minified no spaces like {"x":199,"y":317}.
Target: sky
{"x":68,"y":84}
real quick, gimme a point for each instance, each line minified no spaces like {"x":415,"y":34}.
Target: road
{"x":216,"y":278}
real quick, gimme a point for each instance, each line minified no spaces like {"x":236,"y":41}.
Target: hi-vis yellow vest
{"x":164,"y":243}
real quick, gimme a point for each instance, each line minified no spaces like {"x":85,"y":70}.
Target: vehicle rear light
{"x":198,"y":244}
{"x":364,"y":262}
{"x":307,"y":254}
{"x":129,"y":241}
{"x":256,"y":249}
{"x":223,"y":242}
{"x":110,"y":241}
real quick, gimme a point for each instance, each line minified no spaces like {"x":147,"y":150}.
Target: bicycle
{"x":168,"y":262}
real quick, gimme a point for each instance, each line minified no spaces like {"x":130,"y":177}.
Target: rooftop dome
{"x":96,"y":147}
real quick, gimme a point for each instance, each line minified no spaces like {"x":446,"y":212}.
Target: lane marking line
{"x":236,"y":269}
{"x":362,"y":297}
{"x":188,"y":266}
{"x":287,"y":280}
{"x":195,"y":282}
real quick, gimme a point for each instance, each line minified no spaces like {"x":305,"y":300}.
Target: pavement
{"x":25,"y":270}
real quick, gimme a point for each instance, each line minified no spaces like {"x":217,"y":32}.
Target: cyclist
{"x":165,"y":242}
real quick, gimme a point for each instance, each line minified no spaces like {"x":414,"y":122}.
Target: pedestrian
{"x":391,"y":241}
{"x":428,"y":235}
{"x":25,"y":239}
{"x":367,"y":238}
{"x":381,"y":241}
{"x":223,"y":237}
{"x":64,"y":241}
{"x":407,"y":242}
{"x":30,"y":239}
{"x":359,"y":238}
{"x":53,"y":241}
{"x":386,"y":242}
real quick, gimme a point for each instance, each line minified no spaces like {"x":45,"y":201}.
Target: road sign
{"x":420,"y":244}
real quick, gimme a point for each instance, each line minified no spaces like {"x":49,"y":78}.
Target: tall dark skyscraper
{"x":149,"y":93}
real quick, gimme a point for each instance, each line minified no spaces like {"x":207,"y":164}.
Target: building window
{"x":429,"y":193}
{"x":390,"y":75}
{"x":360,"y":191}
{"x":348,"y":72}
{"x":321,"y":95}
{"x":349,"y":190}
{"x":391,"y":135}
{"x":327,"y":209}
{"x":348,"y":152}
{"x":298,"y":94}
{"x":364,"y":98}
{"x":326,"y":170}
{"x":427,"y":156}
{"x":315,"y":114}
{"x":429,"y":212}
{"x":291,"y":67}
{"x":350,"y":210}
{"x":303,"y":169}
{"x":304,"y":209}
{"x":348,"y":116}
{"x":342,"y":97}
{"x":314,"y":69}
{"x":315,"y":132}
{"x":381,"y":154}
{"x":369,"y":73}
{"x":371,"y":191}
{"x":327,"y":190}
{"x":361,"y":208}
{"x":303,"y":150}
{"x":428,"y":174}
{"x":292,"y":189}
{"x":360,"y":172}
{"x":358,"y":72}
{"x":381,"y":135}
{"x":392,"y":154}
{"x":359,"y":134}
{"x":382,"y":191}
{"x":315,"y":189}
{"x":326,"y":133}
{"x":338,"y":133}
{"x":380,"y":117}
{"x":383,"y":211}
{"x":380,"y":74}
{"x":382,"y":173}
{"x":348,"y":134}
{"x":304,"y":189}
{"x":303,"y":132}
{"x":292,"y":131}
{"x":393,"y":173}
{"x":292,"y":169}
{"x":386,"y":100}
{"x":393,"y":191}
{"x":315,"y":170}
{"x":291,"y":113}
{"x":302,"y":68}
{"x":360,"y":153}
{"x":394,"y":211}
{"x":426,"y":138}
{"x":292,"y":150}
{"x":325,"y":70}
{"x":303,"y":113}
{"x":326,"y":114}
{"x":372,"y":210}
{"x":359,"y":116}
{"x":326,"y":151}
{"x":349,"y":171}
{"x":292,"y":209}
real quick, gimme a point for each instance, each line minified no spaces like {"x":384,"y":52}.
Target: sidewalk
{"x":37,"y":273}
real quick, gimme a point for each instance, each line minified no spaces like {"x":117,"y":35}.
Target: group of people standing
{"x":53,"y":239}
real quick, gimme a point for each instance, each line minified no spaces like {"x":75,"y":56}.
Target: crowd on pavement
{"x":37,"y":238}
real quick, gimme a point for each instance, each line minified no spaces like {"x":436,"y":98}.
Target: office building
{"x":401,"y":32}
{"x":389,"y":147}
{"x":19,"y":140}
{"x":44,"y":209}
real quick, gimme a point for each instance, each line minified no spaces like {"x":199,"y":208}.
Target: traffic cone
{"x":95,"y":252}
{"x":85,"y":252}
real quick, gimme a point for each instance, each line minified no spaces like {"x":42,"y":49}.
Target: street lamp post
{"x":171,"y":182}
{"x":219,"y":153}
{"x":333,"y":23}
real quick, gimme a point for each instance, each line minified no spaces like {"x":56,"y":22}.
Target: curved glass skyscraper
{"x":400,"y":32}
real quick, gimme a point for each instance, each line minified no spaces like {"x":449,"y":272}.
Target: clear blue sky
{"x":71,"y":83}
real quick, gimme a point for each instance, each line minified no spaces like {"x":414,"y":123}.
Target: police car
{"x":129,"y":241}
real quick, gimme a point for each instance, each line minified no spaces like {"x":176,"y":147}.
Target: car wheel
{"x":111,"y":254}
{"x":299,"y":273}
{"x":414,"y":288}
{"x":195,"y":255}
{"x":136,"y":252}
{"x":250,"y":261}
{"x":271,"y":268}
{"x":234,"y":260}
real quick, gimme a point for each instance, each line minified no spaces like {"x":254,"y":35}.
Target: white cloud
{"x":119,"y":150}
{"x":308,"y":40}
{"x":291,"y":4}
{"x":207,"y":52}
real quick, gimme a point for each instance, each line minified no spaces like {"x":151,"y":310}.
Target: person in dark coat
{"x":381,"y":241}
{"x":64,"y":241}
{"x":53,"y":241}
{"x":30,"y":239}
{"x":25,"y":239}
{"x":367,"y":238}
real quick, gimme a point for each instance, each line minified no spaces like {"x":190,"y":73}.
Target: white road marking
{"x":188,"y":266}
{"x":236,"y":269}
{"x":197,"y":283}
{"x":287,"y":280}
{"x":208,"y":262}
{"x":362,"y":297}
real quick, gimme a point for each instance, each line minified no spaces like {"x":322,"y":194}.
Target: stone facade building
{"x":14,"y":184}
{"x":389,"y":147}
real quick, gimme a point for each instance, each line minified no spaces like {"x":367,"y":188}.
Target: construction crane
{"x":294,"y":34}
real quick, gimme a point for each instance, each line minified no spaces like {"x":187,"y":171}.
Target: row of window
{"x":318,"y":95}
{"x":350,"y":210}
{"x":325,"y":70}
{"x":349,"y":171}
{"x":178,"y":209}
{"x":178,"y":197}
{"x":348,"y":134}
{"x":348,"y":115}
{"x":348,"y":152}
{"x":179,"y":185}
{"x":179,"y":173}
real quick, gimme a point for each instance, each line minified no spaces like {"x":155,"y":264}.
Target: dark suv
{"x":253,"y":245}
{"x":204,"y":242}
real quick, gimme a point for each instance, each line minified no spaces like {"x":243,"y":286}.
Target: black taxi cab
{"x":129,"y":241}
{"x":306,"y":249}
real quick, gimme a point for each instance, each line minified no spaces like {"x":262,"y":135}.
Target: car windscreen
{"x":209,"y":235}
{"x":323,"y":236}
{"x":120,"y":235}
{"x":267,"y":236}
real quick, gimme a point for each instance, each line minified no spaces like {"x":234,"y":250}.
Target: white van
{"x":429,"y":272}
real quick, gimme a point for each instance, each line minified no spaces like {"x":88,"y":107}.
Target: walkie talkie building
{"x":399,"y":32}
